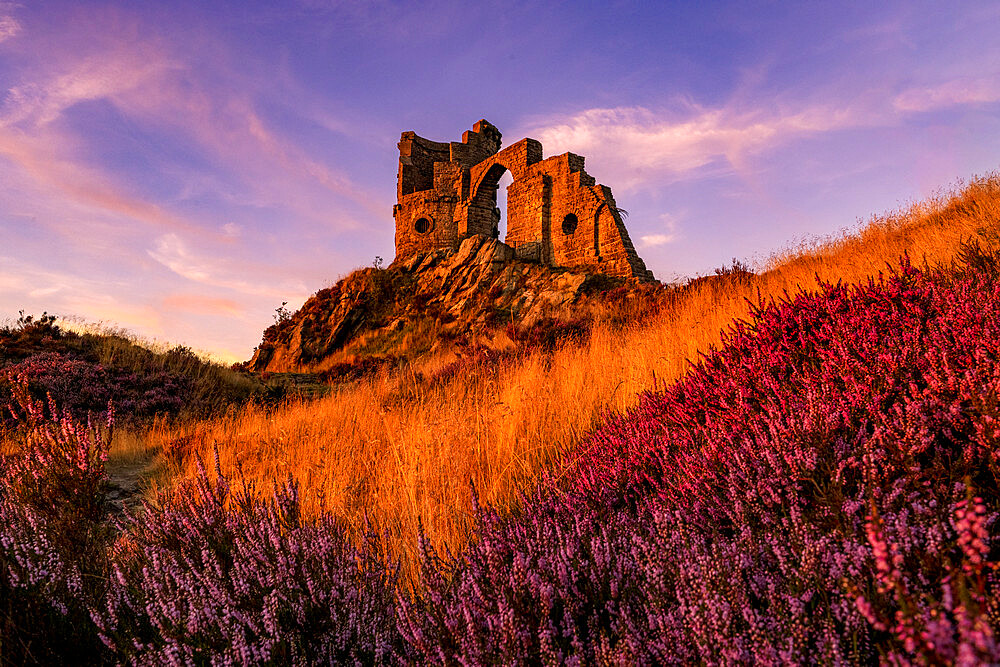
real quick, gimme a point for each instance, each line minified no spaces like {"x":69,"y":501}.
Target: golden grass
{"x":404,"y":453}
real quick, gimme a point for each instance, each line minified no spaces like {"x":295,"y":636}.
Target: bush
{"x":823,"y":488}
{"x":53,"y":537}
{"x":208,"y":574}
{"x":820,"y":489}
{"x":82,"y":387}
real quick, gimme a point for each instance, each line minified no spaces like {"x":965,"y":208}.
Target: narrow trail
{"x":125,"y":481}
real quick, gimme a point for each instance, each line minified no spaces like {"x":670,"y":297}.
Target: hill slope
{"x":83,"y":371}
{"x":822,"y":487}
{"x":400,"y":447}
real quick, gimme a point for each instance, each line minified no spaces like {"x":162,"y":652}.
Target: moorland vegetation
{"x":795,"y":465}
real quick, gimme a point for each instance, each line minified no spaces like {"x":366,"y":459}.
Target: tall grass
{"x":404,"y":452}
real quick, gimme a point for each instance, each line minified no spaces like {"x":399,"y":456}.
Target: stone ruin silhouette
{"x":556,"y":213}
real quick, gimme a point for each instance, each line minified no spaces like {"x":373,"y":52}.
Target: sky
{"x":180,"y":169}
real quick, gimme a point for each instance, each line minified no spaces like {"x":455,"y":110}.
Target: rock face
{"x":468,"y":295}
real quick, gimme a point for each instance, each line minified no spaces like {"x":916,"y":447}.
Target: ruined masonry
{"x":556,"y":214}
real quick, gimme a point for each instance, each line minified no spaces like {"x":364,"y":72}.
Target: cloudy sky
{"x":182,"y":168}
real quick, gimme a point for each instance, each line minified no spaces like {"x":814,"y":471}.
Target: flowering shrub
{"x":209,"y":574}
{"x":82,"y":386}
{"x":549,"y":587}
{"x":821,"y":488}
{"x":202,"y":574}
{"x":53,"y":536}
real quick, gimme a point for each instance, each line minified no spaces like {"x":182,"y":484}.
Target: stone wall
{"x":556,"y":213}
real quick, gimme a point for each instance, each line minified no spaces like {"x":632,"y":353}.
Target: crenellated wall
{"x":556,"y":213}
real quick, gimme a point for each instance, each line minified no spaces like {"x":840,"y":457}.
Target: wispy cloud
{"x":33,"y":139}
{"x":957,"y":92}
{"x":640,"y":146}
{"x":106,"y":75}
{"x":154,"y":84}
{"x":201,"y":304}
{"x":173,"y":252}
{"x":40,"y":155}
{"x":69,"y":295}
{"x":657,"y":239}
{"x":669,"y":234}
{"x":9,"y":27}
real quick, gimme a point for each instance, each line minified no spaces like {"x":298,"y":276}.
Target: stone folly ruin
{"x":556,"y":213}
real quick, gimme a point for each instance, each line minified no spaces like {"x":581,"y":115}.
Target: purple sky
{"x":182,"y":170}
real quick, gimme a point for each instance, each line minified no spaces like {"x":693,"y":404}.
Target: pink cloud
{"x":176,"y":254}
{"x":638,"y":146}
{"x":39,"y":156}
{"x":958,"y":92}
{"x":153,"y":81}
{"x":665,"y":232}
{"x":9,"y":26}
{"x":197,"y":303}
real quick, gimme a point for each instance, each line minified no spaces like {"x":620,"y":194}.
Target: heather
{"x":401,"y":444}
{"x":212,"y":574}
{"x":54,"y":535}
{"x":208,"y":573}
{"x":83,"y":371}
{"x":822,"y":488}
{"x":83,"y":387}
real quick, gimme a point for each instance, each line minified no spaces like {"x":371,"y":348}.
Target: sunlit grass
{"x":405,"y":454}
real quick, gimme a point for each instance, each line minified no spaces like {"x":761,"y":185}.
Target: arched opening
{"x":570,"y":223}
{"x":488,"y":210}
{"x":422,"y":225}
{"x":501,"y":208}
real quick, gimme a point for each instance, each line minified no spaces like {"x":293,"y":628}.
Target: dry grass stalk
{"x":403,"y":453}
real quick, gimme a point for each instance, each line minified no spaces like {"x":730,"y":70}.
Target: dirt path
{"x":125,"y":480}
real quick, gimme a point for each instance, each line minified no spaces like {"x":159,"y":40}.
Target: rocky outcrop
{"x":463,"y":296}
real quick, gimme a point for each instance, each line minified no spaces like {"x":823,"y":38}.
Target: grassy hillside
{"x":403,"y":448}
{"x":822,"y":487}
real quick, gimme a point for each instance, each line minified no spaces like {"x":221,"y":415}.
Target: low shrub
{"x":83,"y":387}
{"x":209,"y":574}
{"x":54,"y":536}
{"x":822,"y":488}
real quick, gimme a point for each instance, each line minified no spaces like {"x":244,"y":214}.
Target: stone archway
{"x":485,"y":178}
{"x":484,"y":215}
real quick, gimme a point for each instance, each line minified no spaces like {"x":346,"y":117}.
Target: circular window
{"x":423,"y":225}
{"x":569,"y":224}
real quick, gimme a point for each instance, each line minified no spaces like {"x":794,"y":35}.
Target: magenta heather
{"x":209,"y":575}
{"x":820,"y":489}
